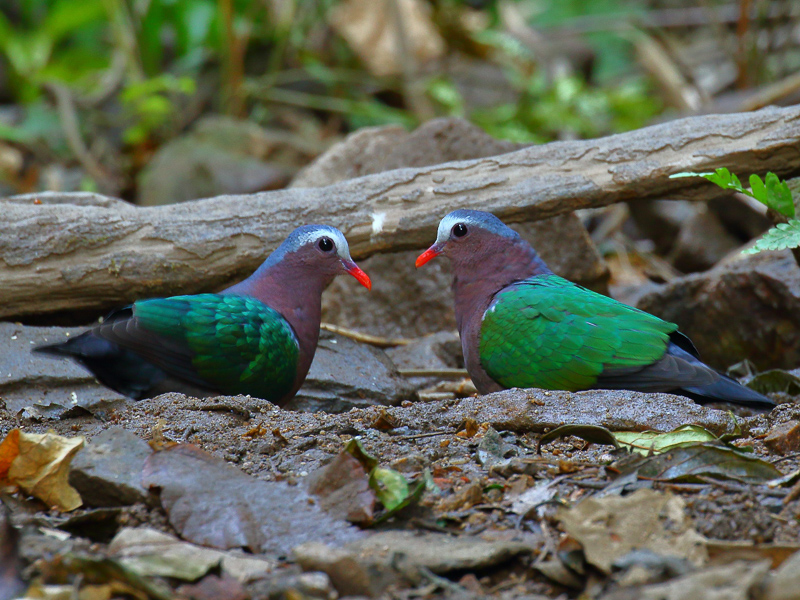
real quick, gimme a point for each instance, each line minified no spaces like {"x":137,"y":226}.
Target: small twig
{"x":772,"y":93}
{"x":68,"y":117}
{"x":793,"y":494}
{"x":787,"y":457}
{"x":372,"y":340}
{"x":733,"y":487}
{"x":419,"y":436}
{"x":414,"y":94}
{"x":435,"y":396}
{"x":592,"y":485}
{"x":440,"y":373}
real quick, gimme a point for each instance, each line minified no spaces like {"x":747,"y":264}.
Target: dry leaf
{"x":610,"y":527}
{"x":212,"y":503}
{"x":342,"y":487}
{"x":9,"y":449}
{"x":373,"y":29}
{"x":41,"y":468}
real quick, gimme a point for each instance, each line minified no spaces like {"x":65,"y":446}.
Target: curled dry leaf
{"x":39,"y":465}
{"x":343,"y":489}
{"x":212,"y":503}
{"x":610,"y":527}
{"x":376,"y":30}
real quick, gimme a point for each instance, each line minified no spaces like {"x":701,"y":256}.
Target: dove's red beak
{"x":360,"y":276}
{"x":430,"y":253}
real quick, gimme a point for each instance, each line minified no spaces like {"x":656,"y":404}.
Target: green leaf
{"x":642,"y":442}
{"x":647,"y":442}
{"x":775,"y":380}
{"x":591,"y":433}
{"x":722,"y":177}
{"x":415,"y":493}
{"x":779,"y":197}
{"x":67,"y":16}
{"x":390,"y":487}
{"x":711,"y":459}
{"x":780,"y":237}
{"x":355,"y":448}
{"x":758,"y":188}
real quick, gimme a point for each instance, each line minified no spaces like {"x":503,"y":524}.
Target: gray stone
{"x":739,"y":580}
{"x":47,"y":387}
{"x":437,"y":552}
{"x":376,"y":149}
{"x":108,"y":471}
{"x":440,"y":350}
{"x":346,"y":374}
{"x":350,"y":576}
{"x":369,"y":566}
{"x":539,"y":411}
{"x":701,"y":243}
{"x":745,"y":307}
{"x":220,"y":156}
{"x":784,"y":583}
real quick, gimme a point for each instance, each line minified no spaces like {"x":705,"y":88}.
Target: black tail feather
{"x":728,"y":390}
{"x":113,"y":366}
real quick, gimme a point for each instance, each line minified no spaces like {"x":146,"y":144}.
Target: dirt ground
{"x":446,"y":438}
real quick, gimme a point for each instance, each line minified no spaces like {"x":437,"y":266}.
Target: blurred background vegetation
{"x":158,"y":101}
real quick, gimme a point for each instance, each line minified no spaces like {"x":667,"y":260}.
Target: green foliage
{"x":780,"y":237}
{"x":151,"y":103}
{"x":391,"y":488}
{"x":57,"y":44}
{"x":771,"y":192}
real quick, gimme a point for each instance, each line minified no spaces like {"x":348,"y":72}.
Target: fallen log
{"x":82,"y":252}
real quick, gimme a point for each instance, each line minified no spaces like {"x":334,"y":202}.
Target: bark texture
{"x":84,"y":252}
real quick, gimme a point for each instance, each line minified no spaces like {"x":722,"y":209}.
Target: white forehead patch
{"x":447,"y":223}
{"x":313,"y":235}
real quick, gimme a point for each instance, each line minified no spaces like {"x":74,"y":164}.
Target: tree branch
{"x":96,"y":253}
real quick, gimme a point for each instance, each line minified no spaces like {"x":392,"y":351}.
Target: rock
{"x":785,"y":581}
{"x":45,"y":386}
{"x":408,"y":303}
{"x":439,"y":553}
{"x":347,"y":374}
{"x":375,"y":149}
{"x":784,"y":438}
{"x":639,"y":567}
{"x":744,"y":217}
{"x":369,"y":566}
{"x":661,"y":220}
{"x":149,"y":553}
{"x":349,"y":576}
{"x":213,"y":587}
{"x":538,"y":411}
{"x":739,"y":580}
{"x":314,"y":584}
{"x":745,"y":307}
{"x":702,"y":242}
{"x":440,"y":350}
{"x":108,"y":471}
{"x":220,"y":156}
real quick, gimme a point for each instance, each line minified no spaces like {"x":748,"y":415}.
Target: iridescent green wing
{"x":547,"y":332}
{"x":235,"y":344}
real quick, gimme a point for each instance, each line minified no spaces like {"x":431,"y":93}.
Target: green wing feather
{"x":547,"y":332}
{"x":237,"y":344}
